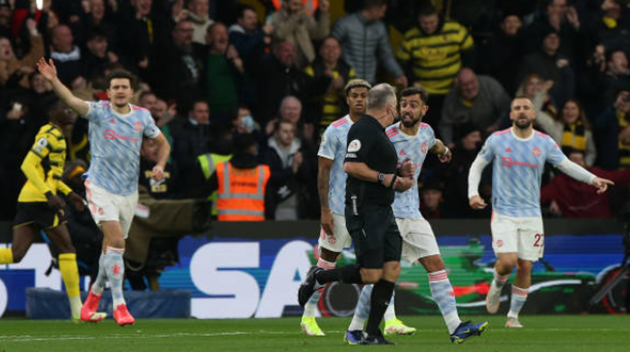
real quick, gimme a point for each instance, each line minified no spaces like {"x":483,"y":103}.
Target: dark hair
{"x":612,"y":51}
{"x":427,"y":10}
{"x":121,"y":74}
{"x":276,"y":126}
{"x":368,"y":4}
{"x":145,"y":93}
{"x":409,"y":91}
{"x":197,"y":101}
{"x":241,"y":10}
{"x":96,"y":34}
{"x":212,"y":26}
{"x":243,"y":141}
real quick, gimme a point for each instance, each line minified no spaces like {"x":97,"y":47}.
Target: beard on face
{"x":523,"y":125}
{"x":409,"y":122}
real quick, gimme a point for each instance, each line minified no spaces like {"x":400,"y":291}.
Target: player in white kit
{"x":116,"y":132}
{"x":331,"y":181}
{"x":413,"y":140}
{"x":518,"y":155}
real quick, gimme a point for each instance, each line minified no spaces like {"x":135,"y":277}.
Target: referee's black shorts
{"x":375,"y":235}
{"x":37,"y":213}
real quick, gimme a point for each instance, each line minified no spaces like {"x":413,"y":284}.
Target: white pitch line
{"x":28,"y":338}
{"x":31,"y":338}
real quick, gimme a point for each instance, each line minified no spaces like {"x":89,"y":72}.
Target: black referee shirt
{"x":368,"y":143}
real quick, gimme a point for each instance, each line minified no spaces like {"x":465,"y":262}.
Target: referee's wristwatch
{"x":381,"y":177}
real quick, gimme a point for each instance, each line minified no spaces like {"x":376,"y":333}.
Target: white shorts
{"x":340,"y":239}
{"x":418,"y":239}
{"x":107,"y":206}
{"x":524,"y":236}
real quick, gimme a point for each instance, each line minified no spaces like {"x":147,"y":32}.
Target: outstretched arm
{"x":49,"y":71}
{"x":581,"y":174}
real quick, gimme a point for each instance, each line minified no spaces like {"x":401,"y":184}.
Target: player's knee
{"x":371,"y":276}
{"x":328,"y":255}
{"x":18,"y":255}
{"x":432,"y":263}
{"x":116,"y":242}
{"x":524,"y":265}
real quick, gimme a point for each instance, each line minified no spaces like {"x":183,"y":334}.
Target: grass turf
{"x":541,"y":333}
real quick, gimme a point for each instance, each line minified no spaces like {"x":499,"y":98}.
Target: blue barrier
{"x":45,"y":303}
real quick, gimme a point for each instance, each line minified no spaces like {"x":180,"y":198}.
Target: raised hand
{"x":47,"y":69}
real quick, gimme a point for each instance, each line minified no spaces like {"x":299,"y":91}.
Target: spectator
{"x":178,"y":71}
{"x":162,"y":189}
{"x":551,"y":66}
{"x":291,"y":23}
{"x":94,"y":20}
{"x":504,"y":51}
{"x":279,"y":77}
{"x":98,"y":55}
{"x":431,"y":200}
{"x":190,"y":139}
{"x":613,"y":27}
{"x":617,"y":75}
{"x":534,"y":88}
{"x":571,"y":130}
{"x":143,"y":31}
{"x":6,"y":17}
{"x":249,"y":39}
{"x":243,"y":175}
{"x":436,"y":49}
{"x":291,"y":110}
{"x":561,"y":19}
{"x":13,"y":71}
{"x":200,"y":19}
{"x":289,"y":170}
{"x":612,"y":134}
{"x":363,"y":35}
{"x":469,"y":140}
{"x":477,"y":99}
{"x":66,"y":55}
{"x":330,"y":75}
{"x":224,"y":71}
{"x":573,"y":199}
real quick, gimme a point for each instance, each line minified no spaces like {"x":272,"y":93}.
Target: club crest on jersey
{"x":354,"y":146}
{"x":112,"y":120}
{"x":424,"y":147}
{"x":137,"y":126}
{"x":536,"y":151}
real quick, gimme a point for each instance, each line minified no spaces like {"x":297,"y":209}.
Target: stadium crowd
{"x":211,"y":70}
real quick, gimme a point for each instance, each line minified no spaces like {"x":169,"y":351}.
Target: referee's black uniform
{"x":369,"y":217}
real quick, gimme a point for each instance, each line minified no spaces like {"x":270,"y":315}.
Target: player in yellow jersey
{"x":40,"y":207}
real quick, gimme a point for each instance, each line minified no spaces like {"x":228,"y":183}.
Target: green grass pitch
{"x":541,"y":333}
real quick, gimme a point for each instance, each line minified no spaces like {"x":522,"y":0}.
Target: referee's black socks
{"x":381,"y":296}
{"x":349,"y":274}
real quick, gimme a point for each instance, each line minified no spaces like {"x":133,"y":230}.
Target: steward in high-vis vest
{"x":241,"y":183}
{"x":208,"y":163}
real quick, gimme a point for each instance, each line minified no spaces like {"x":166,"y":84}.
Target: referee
{"x":371,"y":165}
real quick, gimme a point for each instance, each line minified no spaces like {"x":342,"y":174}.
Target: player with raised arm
{"x":40,"y":207}
{"x":331,"y":181}
{"x":111,"y":182}
{"x":519,"y":155}
{"x":413,"y":140}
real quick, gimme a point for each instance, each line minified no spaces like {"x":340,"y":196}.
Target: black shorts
{"x":375,"y":235}
{"x":38,"y":213}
